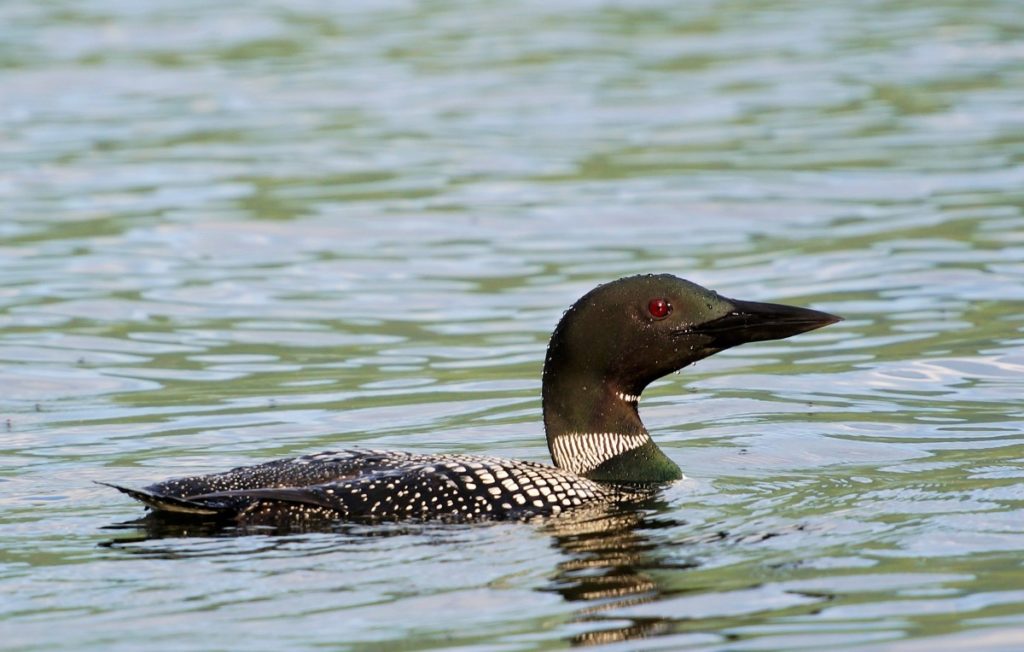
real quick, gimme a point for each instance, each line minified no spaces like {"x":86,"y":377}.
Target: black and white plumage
{"x":361,"y":485}
{"x":605,"y":350}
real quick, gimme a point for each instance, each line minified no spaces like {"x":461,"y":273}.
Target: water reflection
{"x":609,"y":558}
{"x":174,"y":531}
{"x":607,"y":554}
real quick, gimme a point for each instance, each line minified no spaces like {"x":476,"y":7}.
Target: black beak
{"x":749,"y":321}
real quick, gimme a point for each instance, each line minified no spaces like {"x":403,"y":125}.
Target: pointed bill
{"x":750,"y":321}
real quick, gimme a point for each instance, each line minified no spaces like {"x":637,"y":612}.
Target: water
{"x":231,"y":233}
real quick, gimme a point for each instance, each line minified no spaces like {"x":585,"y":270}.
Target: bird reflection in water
{"x":611,"y":554}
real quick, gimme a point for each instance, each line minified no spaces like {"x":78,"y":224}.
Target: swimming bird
{"x":605,"y":350}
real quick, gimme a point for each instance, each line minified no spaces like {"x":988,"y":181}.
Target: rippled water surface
{"x":230,"y":232}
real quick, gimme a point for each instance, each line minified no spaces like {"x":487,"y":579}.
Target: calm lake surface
{"x":235,"y":232}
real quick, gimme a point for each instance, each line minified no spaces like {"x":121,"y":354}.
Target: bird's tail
{"x":162,"y":503}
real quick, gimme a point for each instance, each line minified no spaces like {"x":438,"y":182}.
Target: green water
{"x":232,"y":232}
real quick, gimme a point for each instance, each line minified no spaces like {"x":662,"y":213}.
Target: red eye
{"x":659,"y":308}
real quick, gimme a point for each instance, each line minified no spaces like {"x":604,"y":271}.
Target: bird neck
{"x":594,"y":430}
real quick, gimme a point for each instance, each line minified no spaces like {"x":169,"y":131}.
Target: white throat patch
{"x":580,"y":452}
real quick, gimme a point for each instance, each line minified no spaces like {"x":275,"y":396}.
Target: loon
{"x":606,"y":349}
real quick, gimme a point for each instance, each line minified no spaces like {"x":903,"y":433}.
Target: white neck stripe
{"x":580,"y":452}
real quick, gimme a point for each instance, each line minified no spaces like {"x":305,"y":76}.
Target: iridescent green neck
{"x":596,"y":431}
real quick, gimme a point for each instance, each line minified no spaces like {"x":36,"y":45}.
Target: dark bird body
{"x":379,"y":485}
{"x":610,"y":345}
